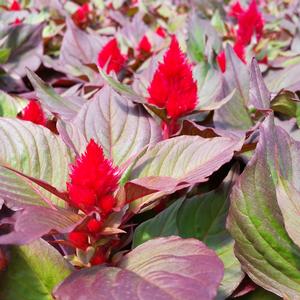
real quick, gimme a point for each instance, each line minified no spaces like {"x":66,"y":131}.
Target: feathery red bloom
{"x":33,"y":112}
{"x":15,"y":6}
{"x":250,"y":22}
{"x":112,"y":56}
{"x":238,"y":48}
{"x":173,"y":86}
{"x":236,"y":10}
{"x":81,"y":15}
{"x":79,"y":239}
{"x":93,"y":181}
{"x":94,"y":225}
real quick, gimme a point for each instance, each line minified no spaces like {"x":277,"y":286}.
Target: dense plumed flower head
{"x":15,"y":6}
{"x":250,"y":21}
{"x":236,"y":10}
{"x":33,"y":112}
{"x":81,"y":15}
{"x":93,"y":181}
{"x":173,"y":86}
{"x":111,"y":56}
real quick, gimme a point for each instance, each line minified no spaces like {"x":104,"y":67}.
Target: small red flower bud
{"x":81,"y":15}
{"x":79,"y":239}
{"x":161,"y":32}
{"x":33,"y":112}
{"x":99,"y":257}
{"x":15,"y":6}
{"x":144,"y":45}
{"x":94,"y":226}
{"x":111,"y":56}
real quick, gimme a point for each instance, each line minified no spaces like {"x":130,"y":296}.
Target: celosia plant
{"x":149,"y":150}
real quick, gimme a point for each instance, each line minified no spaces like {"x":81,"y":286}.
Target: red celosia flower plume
{"x":93,"y":181}
{"x":111,"y":56}
{"x":173,"y":86}
{"x":33,"y":112}
{"x":81,"y":15}
{"x":250,"y":21}
{"x":236,"y":10}
{"x":15,"y":6}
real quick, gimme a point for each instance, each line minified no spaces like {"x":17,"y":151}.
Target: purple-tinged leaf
{"x":287,"y":78}
{"x":211,"y":92}
{"x":34,"y":221}
{"x":26,"y":44}
{"x":259,"y":94}
{"x":262,"y":245}
{"x":234,"y":114}
{"x":36,"y":152}
{"x":52,"y":100}
{"x":34,"y":270}
{"x":180,"y":162}
{"x":134,"y":30}
{"x":288,"y":201}
{"x":290,"y":126}
{"x":121,"y":88}
{"x":203,"y":39}
{"x":192,"y":128}
{"x":120,"y":126}
{"x":80,"y":47}
{"x":161,"y":269}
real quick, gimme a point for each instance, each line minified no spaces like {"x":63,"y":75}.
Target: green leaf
{"x":262,"y":245}
{"x":4,"y":55}
{"x":286,"y":102}
{"x":35,"y":151}
{"x":163,"y":224}
{"x":202,"y":39}
{"x":210,"y":88}
{"x":202,"y":217}
{"x":10,"y":106}
{"x":218,"y":23}
{"x":34,"y":270}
